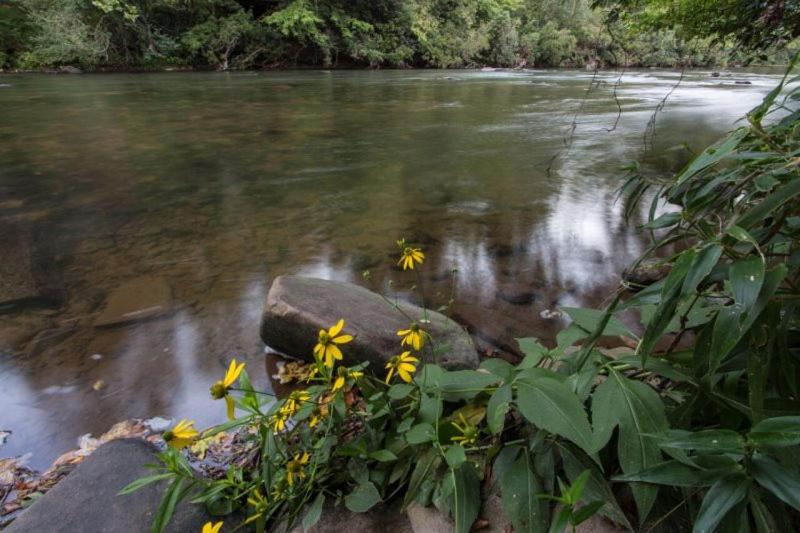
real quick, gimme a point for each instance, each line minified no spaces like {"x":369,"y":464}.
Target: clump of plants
{"x":699,"y":424}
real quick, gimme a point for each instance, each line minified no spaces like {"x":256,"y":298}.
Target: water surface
{"x":212,"y":184}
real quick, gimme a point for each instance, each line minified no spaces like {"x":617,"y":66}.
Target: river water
{"x":177,"y":197}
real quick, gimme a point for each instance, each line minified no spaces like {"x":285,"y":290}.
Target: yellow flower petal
{"x":338,"y":384}
{"x":336,"y":328}
{"x":208,"y":527}
{"x":343,"y":339}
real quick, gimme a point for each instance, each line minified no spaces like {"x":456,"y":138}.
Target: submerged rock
{"x":87,"y":501}
{"x":646,"y":272}
{"x":139,"y":299}
{"x":298,"y":307}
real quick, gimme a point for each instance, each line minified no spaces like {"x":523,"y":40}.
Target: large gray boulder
{"x":86,"y":501}
{"x":298,"y":307}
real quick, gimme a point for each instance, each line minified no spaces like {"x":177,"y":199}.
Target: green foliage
{"x":242,"y":34}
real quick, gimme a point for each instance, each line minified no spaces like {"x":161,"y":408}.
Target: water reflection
{"x":212,"y":184}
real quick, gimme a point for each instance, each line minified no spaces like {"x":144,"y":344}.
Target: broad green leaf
{"x":780,"y":481}
{"x":712,"y":155}
{"x":497,"y":408}
{"x":519,"y":489}
{"x":504,"y":461}
{"x":708,"y":441}
{"x":765,"y":183}
{"x":664,"y":221}
{"x":399,"y":391}
{"x":166,"y":508}
{"x":676,"y":474}
{"x":589,"y":319}
{"x":500,"y":368}
{"x":551,"y":405}
{"x":741,"y":234}
{"x":363,"y":498}
{"x":383,"y":456}
{"x":779,"y":432}
{"x":747,"y":277}
{"x":314,"y":512}
{"x":420,"y":434}
{"x":466,"y":497}
{"x":427,"y":463}
{"x":533,"y":350}
{"x":462,"y":385}
{"x":719,"y":500}
{"x":455,"y":455}
{"x":597,"y":488}
{"x":755,"y":215}
{"x":638,"y":411}
{"x":701,"y":266}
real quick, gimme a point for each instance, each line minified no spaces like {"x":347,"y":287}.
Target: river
{"x":178,"y":196}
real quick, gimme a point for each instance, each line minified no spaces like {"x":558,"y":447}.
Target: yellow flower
{"x":219,"y":390}
{"x":469,"y":433}
{"x":409,"y":256}
{"x":326,"y":344}
{"x":295,"y":401}
{"x":208,"y":527}
{"x":343,"y":376}
{"x":294,"y":468}
{"x":182,"y":435}
{"x":413,"y":336}
{"x":278,"y":421}
{"x":404,"y":364}
{"x":313,"y":421}
{"x":260,"y":506}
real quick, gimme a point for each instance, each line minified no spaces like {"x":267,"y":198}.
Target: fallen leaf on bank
{"x":99,"y":385}
{"x":292,"y":371}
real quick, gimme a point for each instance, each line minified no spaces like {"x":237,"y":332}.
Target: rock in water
{"x":139,"y":299}
{"x":646,"y":272}
{"x":298,"y":307}
{"x":87,"y":501}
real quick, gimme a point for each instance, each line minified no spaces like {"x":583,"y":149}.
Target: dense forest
{"x":240,"y":34}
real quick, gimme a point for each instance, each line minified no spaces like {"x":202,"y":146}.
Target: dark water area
{"x":143,"y":216}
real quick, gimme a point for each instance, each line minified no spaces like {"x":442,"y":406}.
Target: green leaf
{"x":500,"y":368}
{"x":466,"y":497}
{"x":143,"y":481}
{"x":779,"y":432}
{"x":741,"y":235}
{"x":166,"y":508}
{"x":455,"y":455}
{"x":765,"y":183}
{"x":780,"y":481}
{"x":426,"y":465}
{"x":463,"y":385}
{"x":420,"y":434}
{"x":314,"y":512}
{"x":519,"y":489}
{"x":747,"y":277}
{"x":755,"y":215}
{"x":497,"y":408}
{"x":597,"y":488}
{"x":384,"y":456}
{"x":712,"y":155}
{"x":551,"y":405}
{"x":664,"y":221}
{"x":590,"y":319}
{"x":708,"y":441}
{"x":701,"y":266}
{"x":363,"y":498}
{"x":399,"y":391}
{"x":719,"y":500}
{"x":638,"y":411}
{"x":586,"y":512}
{"x":676,"y":474}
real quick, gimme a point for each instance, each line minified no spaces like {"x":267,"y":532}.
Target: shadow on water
{"x":142,"y":217}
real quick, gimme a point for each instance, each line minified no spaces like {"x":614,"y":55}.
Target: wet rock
{"x":646,"y":272}
{"x":47,"y":339}
{"x":715,"y":74}
{"x":17,"y":279}
{"x":428,"y":520}
{"x":598,"y":524}
{"x":743,"y":82}
{"x":516,"y":295}
{"x":298,"y":307}
{"x":491,"y":326}
{"x":87,"y":501}
{"x":69,"y":69}
{"x":139,"y":299}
